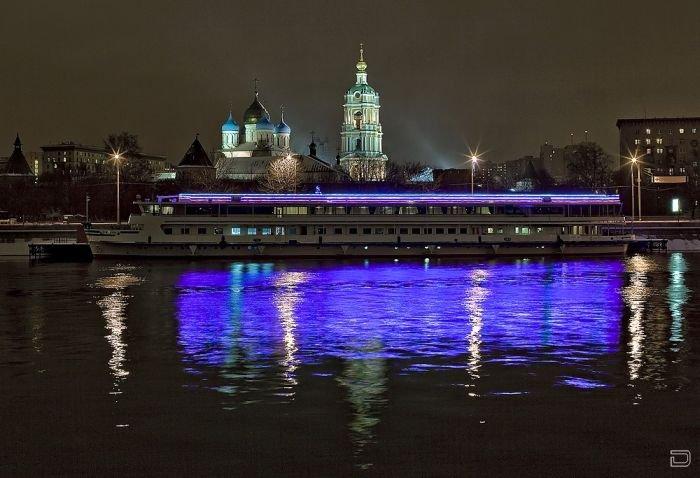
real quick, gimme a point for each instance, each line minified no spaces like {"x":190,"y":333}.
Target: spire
{"x":255,"y":86}
{"x":18,"y":143}
{"x":361,"y":65}
{"x":282,"y":113}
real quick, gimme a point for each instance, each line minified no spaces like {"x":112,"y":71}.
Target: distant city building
{"x":77,"y":159}
{"x":16,"y":165}
{"x":361,"y":132}
{"x":669,"y":152}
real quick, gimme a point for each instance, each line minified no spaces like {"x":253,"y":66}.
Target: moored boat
{"x":318,"y":225}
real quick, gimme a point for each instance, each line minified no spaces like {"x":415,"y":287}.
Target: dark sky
{"x":505,"y":74}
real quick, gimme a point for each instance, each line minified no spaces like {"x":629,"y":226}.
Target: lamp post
{"x":474,"y":159}
{"x":639,"y":192}
{"x":87,"y":208}
{"x":632,"y":163}
{"x":116,"y":157}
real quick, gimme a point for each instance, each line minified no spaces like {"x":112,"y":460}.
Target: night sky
{"x":505,"y":75}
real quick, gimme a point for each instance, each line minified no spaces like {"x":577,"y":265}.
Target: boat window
{"x":239,"y":210}
{"x":262,"y":210}
{"x":439,"y":230}
{"x":201,"y":230}
{"x":485,"y":210}
{"x":321,"y":230}
{"x":463,"y":230}
{"x":385,"y":210}
{"x":199,"y":210}
{"x":279,"y":230}
{"x":266,"y":230}
{"x":167,"y":231}
{"x":452,"y":230}
{"x":168,"y":209}
{"x":366,"y":230}
{"x":184,"y":230}
{"x":252,"y":231}
{"x":339,"y":210}
{"x":359,"y":210}
{"x":522,"y":230}
{"x":352,"y":230}
{"x":292,"y":230}
{"x":236,"y":230}
{"x":379,"y":230}
{"x":391,"y":230}
{"x":338,"y":230}
{"x":403,"y":230}
{"x":218,"y":230}
{"x":415,"y":230}
{"x":303,"y":230}
{"x":434,"y":210}
{"x":295,"y":210}
{"x":408,"y":210}
{"x":428,"y":230}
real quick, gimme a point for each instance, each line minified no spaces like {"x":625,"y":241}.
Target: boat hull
{"x":120,"y":249}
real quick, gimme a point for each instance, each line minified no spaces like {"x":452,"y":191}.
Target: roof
{"x":357,"y":199}
{"x":657,"y":120}
{"x":254,"y":112}
{"x":17,"y":163}
{"x":230,"y":124}
{"x":196,"y":156}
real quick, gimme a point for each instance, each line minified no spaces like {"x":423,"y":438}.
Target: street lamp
{"x":474,"y":158}
{"x":633,"y":161}
{"x":117,"y":157}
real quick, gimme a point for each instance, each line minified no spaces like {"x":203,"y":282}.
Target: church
{"x":247,"y":149}
{"x":361,"y":134}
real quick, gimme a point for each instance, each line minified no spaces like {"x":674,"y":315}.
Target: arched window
{"x":358,"y":119}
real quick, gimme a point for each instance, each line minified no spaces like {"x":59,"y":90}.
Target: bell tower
{"x":361,"y":132}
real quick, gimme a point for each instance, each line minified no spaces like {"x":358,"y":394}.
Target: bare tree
{"x":589,"y":166}
{"x":282,"y":175}
{"x":366,"y":169}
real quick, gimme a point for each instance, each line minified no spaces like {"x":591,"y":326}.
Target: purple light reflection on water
{"x":513,"y":312}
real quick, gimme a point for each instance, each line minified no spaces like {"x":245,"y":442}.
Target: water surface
{"x":508,"y":366}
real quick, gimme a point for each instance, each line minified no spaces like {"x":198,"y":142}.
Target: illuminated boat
{"x":363,"y":225}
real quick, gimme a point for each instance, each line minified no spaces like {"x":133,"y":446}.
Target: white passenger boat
{"x":339,"y":225}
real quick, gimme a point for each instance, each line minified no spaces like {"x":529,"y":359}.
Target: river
{"x":360,"y":368}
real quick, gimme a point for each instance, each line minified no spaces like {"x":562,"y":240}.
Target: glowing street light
{"x":639,"y":186}
{"x":474,"y":158}
{"x":117,"y":157}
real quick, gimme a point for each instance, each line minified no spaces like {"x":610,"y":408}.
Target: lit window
{"x":648,"y":141}
{"x":636,"y":141}
{"x":659,"y":140}
{"x":279,"y":231}
{"x":266,"y":231}
{"x":648,"y":150}
{"x":252,"y":231}
{"x":648,"y":131}
{"x":660,"y":150}
{"x":236,"y":231}
{"x":681,"y":130}
{"x":695,"y":130}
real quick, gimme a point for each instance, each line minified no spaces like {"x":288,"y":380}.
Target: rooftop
{"x":358,"y":199}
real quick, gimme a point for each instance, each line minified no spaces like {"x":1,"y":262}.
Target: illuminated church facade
{"x":361,"y":134}
{"x":247,"y":150}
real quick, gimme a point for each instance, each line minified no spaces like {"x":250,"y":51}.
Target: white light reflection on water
{"x":636,"y":295}
{"x":474,"y":303}
{"x":286,"y":298}
{"x":113,"y":307}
